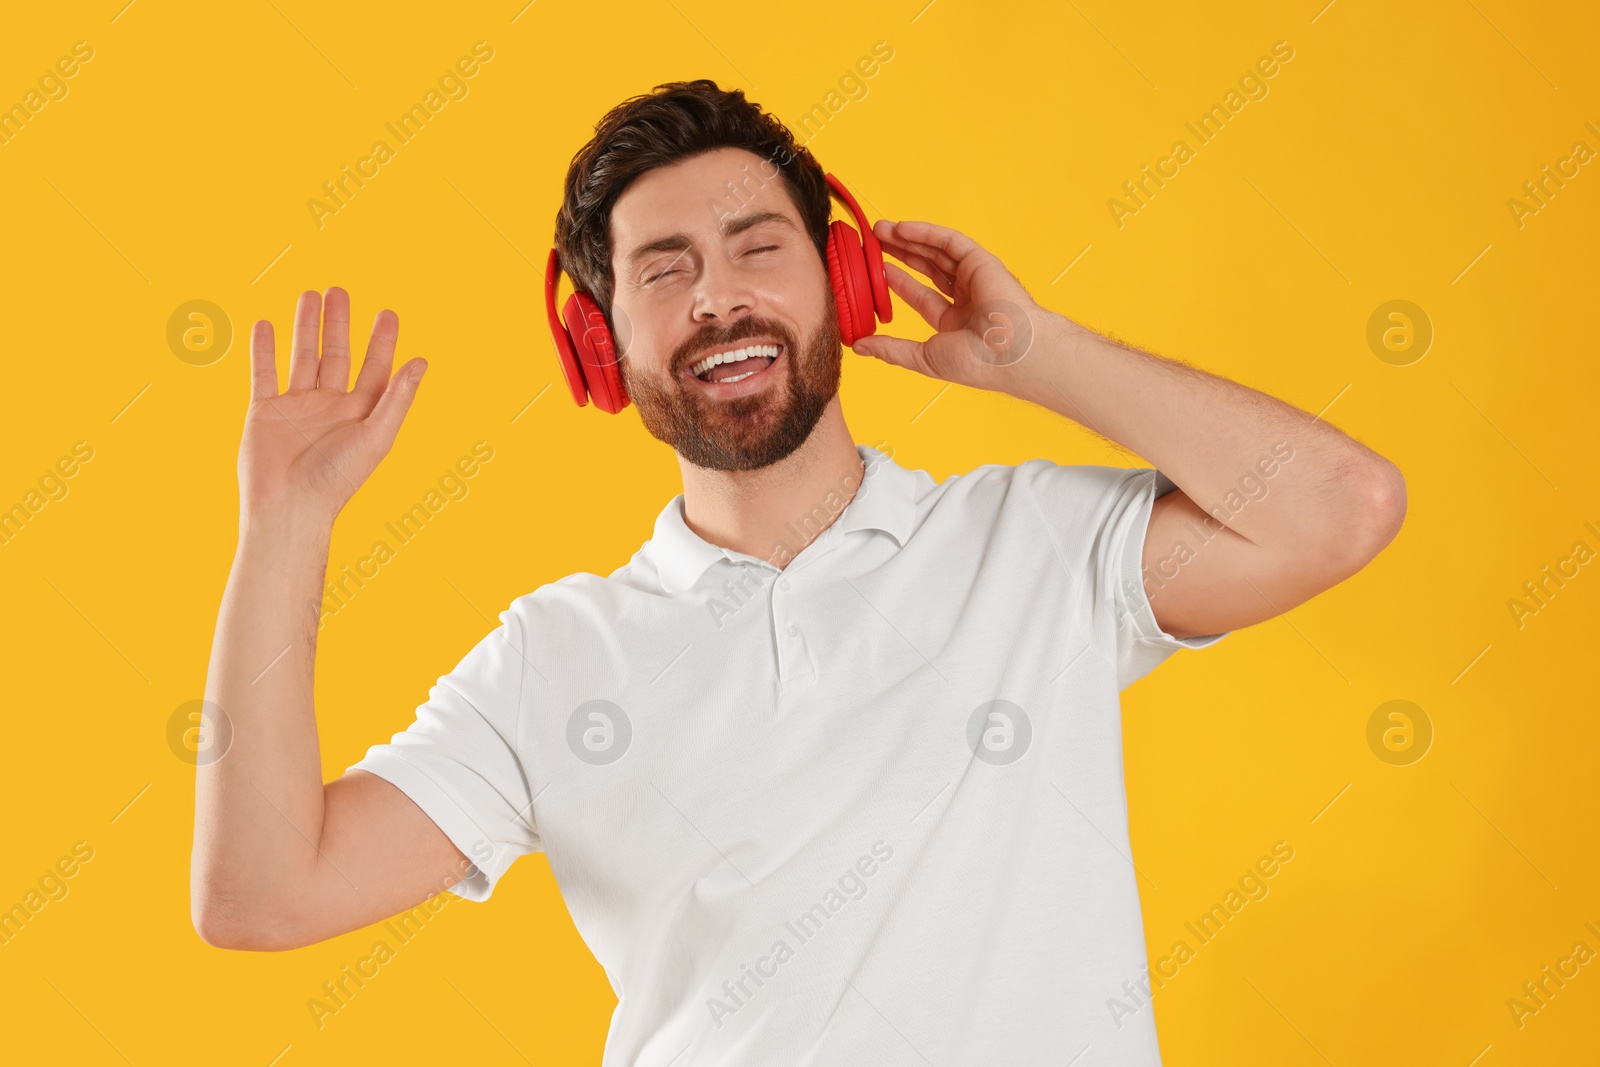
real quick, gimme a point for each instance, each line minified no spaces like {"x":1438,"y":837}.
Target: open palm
{"x":306,"y":450}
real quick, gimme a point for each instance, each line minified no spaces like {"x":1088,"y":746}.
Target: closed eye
{"x":676,"y":270}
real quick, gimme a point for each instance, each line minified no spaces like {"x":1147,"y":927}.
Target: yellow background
{"x":1378,"y":167}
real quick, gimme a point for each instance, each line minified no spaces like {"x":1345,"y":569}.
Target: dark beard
{"x":747,"y":432}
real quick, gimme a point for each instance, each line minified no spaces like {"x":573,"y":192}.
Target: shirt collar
{"x":886,"y":501}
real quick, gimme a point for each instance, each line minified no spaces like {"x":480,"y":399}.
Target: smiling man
{"x":830,"y":771}
{"x":711,"y":397}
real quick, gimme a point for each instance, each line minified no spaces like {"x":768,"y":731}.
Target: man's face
{"x":710,"y":256}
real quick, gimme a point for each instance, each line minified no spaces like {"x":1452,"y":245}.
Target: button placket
{"x":783,"y":654}
{"x":783,"y":585}
{"x":791,"y":654}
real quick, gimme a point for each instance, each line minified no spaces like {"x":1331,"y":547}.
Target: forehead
{"x":694,"y":196}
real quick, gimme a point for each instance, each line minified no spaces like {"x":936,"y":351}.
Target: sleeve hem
{"x":1146,"y":628}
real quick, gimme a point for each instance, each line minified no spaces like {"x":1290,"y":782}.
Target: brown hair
{"x":676,"y":121}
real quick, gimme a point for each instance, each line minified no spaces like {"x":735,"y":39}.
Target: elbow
{"x":1378,"y":512}
{"x":1387,"y":505}
{"x":215,"y":925}
{"x":217,"y":913}
{"x":1366,"y":517}
{"x":221,"y":925}
{"x":244,"y":911}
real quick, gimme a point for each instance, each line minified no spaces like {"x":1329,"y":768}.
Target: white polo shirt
{"x":864,"y":809}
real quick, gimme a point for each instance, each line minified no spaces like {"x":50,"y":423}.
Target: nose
{"x":724,"y":293}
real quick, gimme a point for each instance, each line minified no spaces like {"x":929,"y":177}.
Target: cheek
{"x":622,"y":329}
{"x":801,"y":296}
{"x":653,"y":351}
{"x":648,"y":357}
{"x":642,"y":337}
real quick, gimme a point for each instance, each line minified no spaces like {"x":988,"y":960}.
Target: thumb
{"x":392,"y":406}
{"x":893,"y":350}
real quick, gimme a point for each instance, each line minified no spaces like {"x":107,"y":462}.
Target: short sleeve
{"x":459,"y":759}
{"x":1100,"y":516}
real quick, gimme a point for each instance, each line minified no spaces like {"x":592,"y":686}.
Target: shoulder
{"x":586,"y":599}
{"x":1088,"y":483}
{"x":1088,"y":510}
{"x":1081,"y":490}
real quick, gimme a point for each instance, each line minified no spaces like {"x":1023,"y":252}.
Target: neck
{"x":775,"y":512}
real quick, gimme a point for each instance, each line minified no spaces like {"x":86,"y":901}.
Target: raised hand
{"x":986,"y":321}
{"x":306,"y":450}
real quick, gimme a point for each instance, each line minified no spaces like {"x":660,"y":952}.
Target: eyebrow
{"x":679,"y":241}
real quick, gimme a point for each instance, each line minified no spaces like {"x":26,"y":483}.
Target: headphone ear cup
{"x":852,"y":290}
{"x":570,"y":368}
{"x":596,"y":352}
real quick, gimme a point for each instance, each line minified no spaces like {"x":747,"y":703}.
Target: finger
{"x":263,"y":362}
{"x":303,"y":353}
{"x":923,"y":300}
{"x":392,"y":406}
{"x":898,"y":242}
{"x":333,"y":372}
{"x":893,"y":350}
{"x":943,"y":238}
{"x":946,"y":266}
{"x":374,"y":376}
{"x":917,"y":262}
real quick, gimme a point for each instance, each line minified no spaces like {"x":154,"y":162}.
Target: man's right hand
{"x":280,"y":858}
{"x":306,"y":450}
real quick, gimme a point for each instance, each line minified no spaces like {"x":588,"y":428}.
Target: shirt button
{"x":793,"y":629}
{"x":784,"y":584}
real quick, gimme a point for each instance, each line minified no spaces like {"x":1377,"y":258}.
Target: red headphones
{"x":588,"y":351}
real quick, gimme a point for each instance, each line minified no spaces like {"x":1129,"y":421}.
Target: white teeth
{"x":770,"y":351}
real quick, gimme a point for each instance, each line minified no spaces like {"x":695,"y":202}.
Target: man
{"x":830,"y":771}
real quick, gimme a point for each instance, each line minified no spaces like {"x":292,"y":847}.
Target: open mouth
{"x":736,"y":372}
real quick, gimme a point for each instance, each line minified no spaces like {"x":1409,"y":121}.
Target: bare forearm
{"x":258,"y":808}
{"x":1207,"y":434}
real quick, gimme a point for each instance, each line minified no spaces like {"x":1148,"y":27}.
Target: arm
{"x":1292,"y":507}
{"x":279,"y":858}
{"x":1325,"y":511}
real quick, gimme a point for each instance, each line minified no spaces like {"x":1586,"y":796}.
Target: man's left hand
{"x":987,"y":323}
